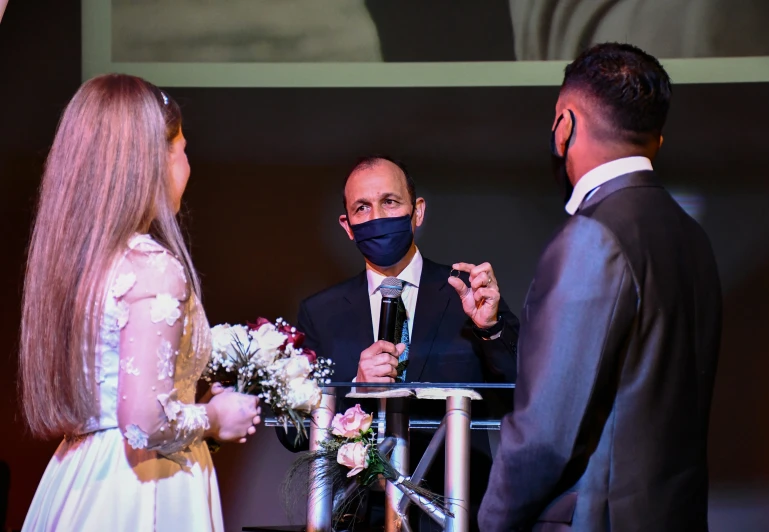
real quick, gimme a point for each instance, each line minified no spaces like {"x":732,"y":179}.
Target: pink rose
{"x":353,"y":456}
{"x":351,"y":423}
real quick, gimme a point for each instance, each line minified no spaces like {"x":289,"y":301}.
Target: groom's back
{"x":649,"y":470}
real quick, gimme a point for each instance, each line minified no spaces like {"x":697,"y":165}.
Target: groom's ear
{"x":345,"y":223}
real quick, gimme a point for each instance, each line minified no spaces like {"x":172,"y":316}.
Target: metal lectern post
{"x":398,"y":428}
{"x":320,"y":499}
{"x":457,"y":489}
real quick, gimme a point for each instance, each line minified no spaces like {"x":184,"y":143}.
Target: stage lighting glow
{"x":692,"y":203}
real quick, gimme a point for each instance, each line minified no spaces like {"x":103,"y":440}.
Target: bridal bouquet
{"x":267,"y":359}
{"x":352,"y":452}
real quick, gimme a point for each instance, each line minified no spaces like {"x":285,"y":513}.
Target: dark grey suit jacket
{"x":617,"y":356}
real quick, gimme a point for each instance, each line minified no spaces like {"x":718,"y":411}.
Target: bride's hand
{"x":232,"y":416}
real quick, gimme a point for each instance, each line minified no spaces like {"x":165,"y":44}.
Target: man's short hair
{"x":630,"y":87}
{"x":370,"y":161}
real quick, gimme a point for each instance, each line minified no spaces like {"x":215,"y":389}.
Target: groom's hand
{"x":480,"y":300}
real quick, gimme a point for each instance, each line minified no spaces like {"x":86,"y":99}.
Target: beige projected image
{"x":291,"y":31}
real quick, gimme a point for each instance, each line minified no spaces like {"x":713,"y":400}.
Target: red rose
{"x":258,"y":324}
{"x":298,"y":339}
{"x":293,"y":337}
{"x":310,"y":354}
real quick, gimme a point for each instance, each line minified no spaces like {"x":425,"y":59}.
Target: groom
{"x":620,"y":330}
{"x":456,"y":329}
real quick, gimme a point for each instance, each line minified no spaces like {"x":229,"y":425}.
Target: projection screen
{"x":413,"y":43}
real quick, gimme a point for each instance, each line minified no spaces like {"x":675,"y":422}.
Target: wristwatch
{"x":493,"y":331}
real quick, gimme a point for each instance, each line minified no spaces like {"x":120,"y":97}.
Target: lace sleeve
{"x":151,"y":288}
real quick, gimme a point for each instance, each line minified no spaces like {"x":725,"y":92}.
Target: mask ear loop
{"x":569,"y":187}
{"x":571,"y":133}
{"x":553,"y":147}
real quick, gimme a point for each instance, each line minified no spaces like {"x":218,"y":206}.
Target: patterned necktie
{"x":402,"y":325}
{"x":393,"y":287}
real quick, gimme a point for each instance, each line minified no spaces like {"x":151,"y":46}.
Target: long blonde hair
{"x":106,"y":178}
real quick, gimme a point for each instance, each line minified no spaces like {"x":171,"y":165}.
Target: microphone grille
{"x":391,"y":287}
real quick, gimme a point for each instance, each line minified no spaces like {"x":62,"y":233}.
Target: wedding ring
{"x":451,"y":273}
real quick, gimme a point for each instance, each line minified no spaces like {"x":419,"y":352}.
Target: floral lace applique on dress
{"x":165,"y":361}
{"x":165,"y":307}
{"x":136,"y":437}
{"x":127,"y":365}
{"x":163,"y":348}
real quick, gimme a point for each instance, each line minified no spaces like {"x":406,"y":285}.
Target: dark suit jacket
{"x":444,"y":348}
{"x":619,"y":340}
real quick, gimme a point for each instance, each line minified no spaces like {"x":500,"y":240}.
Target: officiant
{"x":455,"y":325}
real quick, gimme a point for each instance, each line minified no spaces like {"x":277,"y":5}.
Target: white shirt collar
{"x":602,"y":174}
{"x":411,"y":274}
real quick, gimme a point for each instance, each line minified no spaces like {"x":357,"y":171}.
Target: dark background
{"x":264,"y":196}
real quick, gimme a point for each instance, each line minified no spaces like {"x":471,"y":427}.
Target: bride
{"x":113,"y":335}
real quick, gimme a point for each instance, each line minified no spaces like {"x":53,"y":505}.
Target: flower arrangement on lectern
{"x":352,"y":452}
{"x":267,"y":359}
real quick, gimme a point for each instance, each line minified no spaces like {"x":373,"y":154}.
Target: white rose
{"x":265,"y":344}
{"x":230,"y":341}
{"x":263,"y":357}
{"x":303,"y":394}
{"x":221,"y":337}
{"x":223,"y":344}
{"x":269,"y":340}
{"x":242,"y":340}
{"x":291,"y":351}
{"x":298,"y":366}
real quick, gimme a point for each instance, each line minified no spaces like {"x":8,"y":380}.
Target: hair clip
{"x":165,"y":98}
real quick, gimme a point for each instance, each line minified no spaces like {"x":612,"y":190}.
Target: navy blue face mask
{"x":384,"y":241}
{"x":559,"y":161}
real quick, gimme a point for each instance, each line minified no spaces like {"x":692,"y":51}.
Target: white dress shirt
{"x":592,"y":181}
{"x":410,"y":277}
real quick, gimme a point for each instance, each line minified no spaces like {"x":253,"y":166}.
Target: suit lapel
{"x":432,"y":301}
{"x":357,"y":322}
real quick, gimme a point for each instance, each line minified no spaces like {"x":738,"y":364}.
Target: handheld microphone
{"x":391,"y":289}
{"x":392,"y":413}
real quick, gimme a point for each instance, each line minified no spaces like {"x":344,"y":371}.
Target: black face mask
{"x":559,"y":161}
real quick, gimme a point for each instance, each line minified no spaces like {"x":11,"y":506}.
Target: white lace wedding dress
{"x":141,"y":465}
